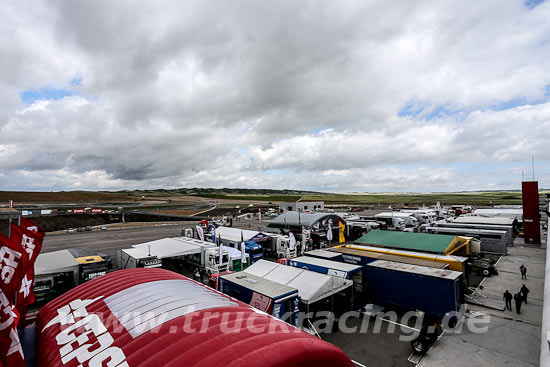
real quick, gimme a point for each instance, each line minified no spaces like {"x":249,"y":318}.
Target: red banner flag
{"x":11,"y":351}
{"x":13,"y":264}
{"x":30,"y":237}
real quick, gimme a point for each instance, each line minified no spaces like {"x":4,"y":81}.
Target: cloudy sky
{"x":318,"y":95}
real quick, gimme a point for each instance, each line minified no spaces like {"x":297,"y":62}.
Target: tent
{"x":145,"y":317}
{"x":234,"y":235}
{"x":55,"y":262}
{"x":312,"y":286}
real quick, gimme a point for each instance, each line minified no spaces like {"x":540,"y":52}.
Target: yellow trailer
{"x":456,"y":263}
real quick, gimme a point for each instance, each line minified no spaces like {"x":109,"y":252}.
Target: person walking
{"x":524,"y":291}
{"x":518,"y":298}
{"x":523,"y":270}
{"x":508,"y":299}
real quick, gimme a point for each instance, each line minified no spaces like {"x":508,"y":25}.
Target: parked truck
{"x":90,"y":265}
{"x":209,"y":258}
{"x":254,"y":251}
{"x":136,"y":258}
{"x":279,"y":246}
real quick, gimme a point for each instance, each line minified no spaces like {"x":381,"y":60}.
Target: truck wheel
{"x":419,"y":346}
{"x":486,"y":272}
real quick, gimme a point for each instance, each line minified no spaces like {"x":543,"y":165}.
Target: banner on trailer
{"x":200,"y":232}
{"x":292,"y":240}
{"x":212,"y":232}
{"x":341,"y":232}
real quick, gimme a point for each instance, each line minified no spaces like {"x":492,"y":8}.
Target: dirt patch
{"x":63,"y":197}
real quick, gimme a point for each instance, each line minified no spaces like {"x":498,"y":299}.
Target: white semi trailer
{"x":136,"y":258}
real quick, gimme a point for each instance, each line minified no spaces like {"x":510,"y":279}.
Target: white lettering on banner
{"x":6,"y":309}
{"x":65,"y":316}
{"x":115,"y":356}
{"x":8,"y":263}
{"x":28,"y":244}
{"x":86,"y":338}
{"x":15,"y":345}
{"x":25,"y":286}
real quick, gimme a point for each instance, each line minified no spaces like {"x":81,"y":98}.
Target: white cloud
{"x":274,"y":94}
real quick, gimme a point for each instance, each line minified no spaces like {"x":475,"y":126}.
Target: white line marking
{"x":396,"y":323}
{"x":359,"y":364}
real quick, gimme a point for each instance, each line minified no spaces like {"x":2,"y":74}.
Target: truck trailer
{"x":136,"y":258}
{"x":492,"y":241}
{"x":278,"y":300}
{"x":509,"y":229}
{"x":435,"y":292}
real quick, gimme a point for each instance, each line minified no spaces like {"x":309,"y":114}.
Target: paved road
{"x":510,"y":339}
{"x":110,"y":240}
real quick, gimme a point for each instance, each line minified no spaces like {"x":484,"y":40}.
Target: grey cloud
{"x":203,"y":93}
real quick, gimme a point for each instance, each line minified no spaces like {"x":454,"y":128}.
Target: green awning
{"x":436,"y":243}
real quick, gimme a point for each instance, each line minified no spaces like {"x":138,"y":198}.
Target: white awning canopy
{"x":234,"y":234}
{"x":55,"y":262}
{"x":312,"y":286}
{"x":169,"y":247}
{"x":233,"y":253}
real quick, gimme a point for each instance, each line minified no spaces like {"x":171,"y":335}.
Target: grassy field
{"x":252,"y":197}
{"x":468,"y":198}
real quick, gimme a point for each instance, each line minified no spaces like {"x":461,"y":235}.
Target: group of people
{"x":520,"y":297}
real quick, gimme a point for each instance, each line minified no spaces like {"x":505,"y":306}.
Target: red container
{"x":531,"y":216}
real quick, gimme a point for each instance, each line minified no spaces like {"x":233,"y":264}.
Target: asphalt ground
{"x":378,"y":344}
{"x":110,"y":240}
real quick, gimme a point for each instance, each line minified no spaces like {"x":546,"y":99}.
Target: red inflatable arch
{"x":154,"y":317}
